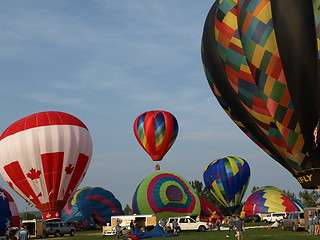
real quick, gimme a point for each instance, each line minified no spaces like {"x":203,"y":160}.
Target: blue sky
{"x":106,"y":62}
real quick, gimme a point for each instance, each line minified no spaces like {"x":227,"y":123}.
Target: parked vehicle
{"x":273,"y":217}
{"x":252,"y":218}
{"x":143,"y":222}
{"x":59,"y":229}
{"x":189,"y":223}
{"x":294,"y":221}
{"x":37,"y":228}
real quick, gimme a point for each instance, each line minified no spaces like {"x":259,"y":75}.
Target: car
{"x":189,"y":223}
{"x":294,"y":221}
{"x":252,"y":218}
{"x":59,"y":229}
{"x":274,"y":217}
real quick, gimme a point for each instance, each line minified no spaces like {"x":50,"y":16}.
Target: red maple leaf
{"x":34,"y":174}
{"x":69,"y":169}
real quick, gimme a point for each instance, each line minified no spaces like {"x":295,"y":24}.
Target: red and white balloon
{"x":44,"y":157}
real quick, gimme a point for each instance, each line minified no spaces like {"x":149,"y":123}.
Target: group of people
{"x":314,"y":223}
{"x":22,"y":234}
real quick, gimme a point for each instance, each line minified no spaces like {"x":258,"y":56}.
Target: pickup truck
{"x":189,"y":223}
{"x":59,"y":229}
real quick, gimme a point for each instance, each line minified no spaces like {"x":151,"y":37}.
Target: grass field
{"x":250,"y":234}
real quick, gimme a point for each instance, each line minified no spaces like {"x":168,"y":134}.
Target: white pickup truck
{"x":189,"y":223}
{"x":274,"y":217}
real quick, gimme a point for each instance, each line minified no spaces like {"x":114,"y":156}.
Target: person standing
{"x":231,"y":226}
{"x":131,"y":227}
{"x":118,"y":228}
{"x":162,"y":223}
{"x":239,"y":227}
{"x":175,"y":226}
{"x":218,"y":224}
{"x":311,"y":223}
{"x":23,"y":233}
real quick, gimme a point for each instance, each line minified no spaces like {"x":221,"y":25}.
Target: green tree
{"x":310,"y":198}
{"x":127,"y":210}
{"x":254,"y":188}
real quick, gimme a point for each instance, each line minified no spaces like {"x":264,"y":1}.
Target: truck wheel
{"x":202,"y":228}
{"x":178,"y":230}
{"x":57,"y":234}
{"x":294,"y":228}
{"x":72,"y":233}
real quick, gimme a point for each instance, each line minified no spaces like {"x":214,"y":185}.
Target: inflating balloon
{"x":5,"y":213}
{"x":91,"y":207}
{"x":44,"y":157}
{"x":209,"y":210}
{"x":156,"y":132}
{"x":227,"y":179}
{"x":15,"y":217}
{"x":165,"y":194}
{"x":268,"y":201}
{"x":260,"y":59}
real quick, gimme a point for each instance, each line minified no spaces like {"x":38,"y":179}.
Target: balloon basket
{"x":157,"y":167}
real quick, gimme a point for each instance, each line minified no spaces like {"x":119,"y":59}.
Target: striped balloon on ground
{"x":268,"y":201}
{"x":227,"y":179}
{"x":165,"y":194}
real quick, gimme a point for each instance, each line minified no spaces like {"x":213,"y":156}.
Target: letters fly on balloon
{"x":44,"y":157}
{"x":261,"y":61}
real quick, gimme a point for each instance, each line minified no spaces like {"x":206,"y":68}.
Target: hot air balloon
{"x":209,"y":210}
{"x":5,"y":213}
{"x":165,"y":194}
{"x":91,"y":207}
{"x":156,"y":132}
{"x":260,"y":59}
{"x":44,"y":157}
{"x":269,"y":200}
{"x":15,"y":218}
{"x":227,"y":179}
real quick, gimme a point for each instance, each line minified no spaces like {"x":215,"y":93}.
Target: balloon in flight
{"x":261,"y":62}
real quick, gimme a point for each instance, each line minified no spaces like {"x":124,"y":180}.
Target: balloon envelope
{"x":268,"y":201}
{"x":208,"y":210}
{"x":91,"y":207}
{"x":5,"y":213}
{"x":156,"y":132}
{"x":227,"y":179}
{"x":257,"y":73}
{"x":45,"y":157}
{"x":165,"y":194}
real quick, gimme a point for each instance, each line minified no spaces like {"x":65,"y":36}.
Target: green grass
{"x":250,"y":234}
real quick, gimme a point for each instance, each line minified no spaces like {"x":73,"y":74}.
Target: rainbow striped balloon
{"x":156,"y":132}
{"x":165,"y":194}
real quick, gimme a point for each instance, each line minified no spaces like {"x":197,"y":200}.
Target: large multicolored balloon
{"x":261,"y":61}
{"x":91,"y":207}
{"x":227,"y":179}
{"x":268,"y":201}
{"x":156,"y":132}
{"x":165,"y":194}
{"x":44,"y":157}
